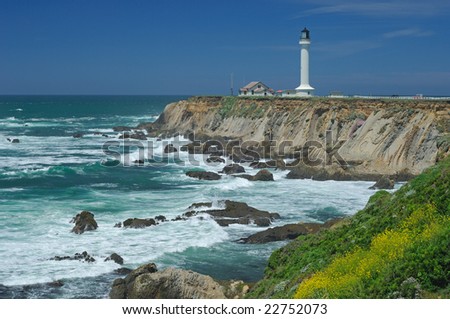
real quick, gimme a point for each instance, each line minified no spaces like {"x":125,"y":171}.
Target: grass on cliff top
{"x":398,"y":246}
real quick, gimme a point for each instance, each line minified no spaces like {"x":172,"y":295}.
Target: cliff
{"x":396,"y":247}
{"x":368,"y":136}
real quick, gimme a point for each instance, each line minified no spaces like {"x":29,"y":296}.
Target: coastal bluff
{"x":364,"y":136}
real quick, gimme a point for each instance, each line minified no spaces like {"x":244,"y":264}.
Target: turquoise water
{"x":49,"y":177}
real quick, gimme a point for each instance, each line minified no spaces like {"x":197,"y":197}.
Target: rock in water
{"x":263,"y":175}
{"x":209,"y":176}
{"x":146,"y":283}
{"x":83,"y":257}
{"x":383,"y":183}
{"x":290,"y":231}
{"x":233,"y":213}
{"x":233,"y":169}
{"x":116,"y":258}
{"x":170,"y":149}
{"x":13,"y":140}
{"x":138,"y":223}
{"x":84,"y":221}
{"x":215,"y":159}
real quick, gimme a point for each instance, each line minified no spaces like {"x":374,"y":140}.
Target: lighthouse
{"x":304,"y":89}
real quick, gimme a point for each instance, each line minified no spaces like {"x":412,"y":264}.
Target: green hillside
{"x":398,"y":246}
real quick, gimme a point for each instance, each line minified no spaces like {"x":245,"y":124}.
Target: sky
{"x":195,"y":47}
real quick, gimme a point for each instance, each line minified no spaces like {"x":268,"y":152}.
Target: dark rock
{"x":105,"y":135}
{"x":84,"y":257}
{"x":177,"y":218}
{"x":210,"y":176}
{"x":119,"y":288}
{"x":290,"y":231}
{"x":13,"y":140}
{"x":122,"y":128}
{"x":215,"y":159}
{"x":139,"y":162}
{"x":84,"y":221}
{"x":301,"y":170}
{"x":247,"y":152}
{"x":383,"y":183}
{"x":262,"y":222}
{"x":262,"y":175}
{"x":77,"y":135}
{"x":192,"y":148}
{"x":199,"y":205}
{"x":137,"y":135}
{"x":234,"y":213}
{"x":118,"y":225}
{"x":123,"y":271}
{"x":161,"y":218}
{"x":138,"y":222}
{"x":233,"y":169}
{"x":116,"y":258}
{"x":56,"y":284}
{"x":145,"y":283}
{"x":170,"y":149}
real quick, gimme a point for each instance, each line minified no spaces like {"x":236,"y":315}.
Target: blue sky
{"x":193,"y":46}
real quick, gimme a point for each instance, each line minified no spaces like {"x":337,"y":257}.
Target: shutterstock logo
{"x":176,"y":151}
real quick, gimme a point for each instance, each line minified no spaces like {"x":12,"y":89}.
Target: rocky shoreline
{"x":402,"y":144}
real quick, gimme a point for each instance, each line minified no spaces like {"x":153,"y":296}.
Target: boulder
{"x":137,"y":135}
{"x":122,"y":271}
{"x":138,"y":222}
{"x":161,"y":218}
{"x":116,"y":258}
{"x":383,"y":183}
{"x":215,"y":159}
{"x":233,"y":169}
{"x":192,"y":148}
{"x":290,"y":231}
{"x":13,"y":140}
{"x":210,"y":176}
{"x":233,"y":213}
{"x":84,"y":257}
{"x":77,"y":135}
{"x":170,"y":149}
{"x":301,"y":170}
{"x":170,"y":283}
{"x":122,"y":128}
{"x":84,"y":221}
{"x":262,"y":175}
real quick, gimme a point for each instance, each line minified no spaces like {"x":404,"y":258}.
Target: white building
{"x":304,"y":89}
{"x":256,"y":88}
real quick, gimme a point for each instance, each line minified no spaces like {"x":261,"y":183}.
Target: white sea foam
{"x":37,"y":229}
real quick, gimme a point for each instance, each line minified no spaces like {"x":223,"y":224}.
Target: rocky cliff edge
{"x":367,"y":136}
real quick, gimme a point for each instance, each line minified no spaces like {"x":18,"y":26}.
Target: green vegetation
{"x":243,"y":107}
{"x":398,"y":246}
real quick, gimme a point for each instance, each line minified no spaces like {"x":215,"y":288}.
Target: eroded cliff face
{"x":370,"y":136}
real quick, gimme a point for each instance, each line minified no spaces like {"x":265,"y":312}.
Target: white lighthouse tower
{"x":304,"y":89}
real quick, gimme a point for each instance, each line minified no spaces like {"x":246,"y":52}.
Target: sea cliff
{"x":361,"y":136}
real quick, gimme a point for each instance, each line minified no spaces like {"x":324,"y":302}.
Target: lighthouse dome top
{"x":305,"y":33}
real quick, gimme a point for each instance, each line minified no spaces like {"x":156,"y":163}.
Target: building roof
{"x":252,"y":84}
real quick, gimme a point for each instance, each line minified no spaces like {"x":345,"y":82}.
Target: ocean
{"x":50,"y":176}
